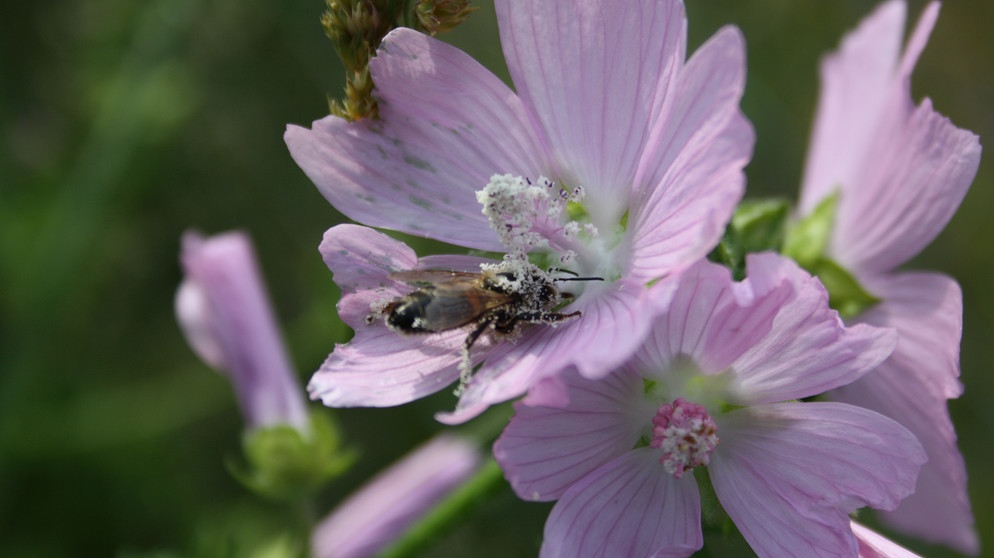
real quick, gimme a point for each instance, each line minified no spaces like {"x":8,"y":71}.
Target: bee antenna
{"x":561,"y":270}
{"x":574,"y":277}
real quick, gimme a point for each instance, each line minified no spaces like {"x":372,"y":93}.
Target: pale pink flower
{"x":901,"y":171}
{"x":383,"y":509}
{"x":614,"y":157}
{"x":715,"y":385}
{"x":227,"y":320}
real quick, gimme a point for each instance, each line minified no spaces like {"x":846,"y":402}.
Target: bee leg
{"x":545,"y":317}
{"x":466,"y":365}
{"x":475,"y":334}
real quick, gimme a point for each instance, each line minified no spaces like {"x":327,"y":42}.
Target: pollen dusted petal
{"x":527,"y":214}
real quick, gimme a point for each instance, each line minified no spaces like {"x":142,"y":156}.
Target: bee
{"x":500,"y":298}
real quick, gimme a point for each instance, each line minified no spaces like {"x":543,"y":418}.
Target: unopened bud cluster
{"x":356,"y":27}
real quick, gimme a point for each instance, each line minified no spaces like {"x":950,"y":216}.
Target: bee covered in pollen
{"x":500,"y":299}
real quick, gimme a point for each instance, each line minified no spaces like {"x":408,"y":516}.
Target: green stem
{"x":454,"y":509}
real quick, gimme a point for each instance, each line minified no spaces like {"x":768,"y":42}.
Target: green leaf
{"x":806,"y":244}
{"x":760,"y":224}
{"x":756,"y":226}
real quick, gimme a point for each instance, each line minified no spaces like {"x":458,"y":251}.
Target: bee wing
{"x":433,"y":276}
{"x":458,"y":304}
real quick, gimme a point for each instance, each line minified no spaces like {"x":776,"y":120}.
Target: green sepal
{"x":439,"y":16}
{"x":807,"y":242}
{"x":845,"y":294}
{"x":808,"y":238}
{"x":714,"y":519}
{"x":756,"y":226}
{"x":284,"y":463}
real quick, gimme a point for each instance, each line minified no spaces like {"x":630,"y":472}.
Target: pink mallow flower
{"x":226,"y":318}
{"x":378,"y":513}
{"x":900,"y":171}
{"x":715,"y":386}
{"x":613,"y":157}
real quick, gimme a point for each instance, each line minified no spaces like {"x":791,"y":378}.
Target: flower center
{"x":528,"y":215}
{"x":686,"y":434}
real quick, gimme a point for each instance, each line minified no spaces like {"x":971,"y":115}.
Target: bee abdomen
{"x":408,"y":316}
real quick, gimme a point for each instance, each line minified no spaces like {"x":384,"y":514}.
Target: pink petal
{"x":361,"y":260}
{"x":617,"y":315}
{"x":593,"y":77}
{"x":566,"y":428}
{"x":226,"y":317}
{"x":381,"y":510}
{"x":446,"y":126}
{"x":628,"y":507}
{"x":856,"y":84}
{"x":874,"y":545}
{"x":381,"y":368}
{"x":927,"y":311}
{"x":919,"y":38}
{"x":789,"y":474}
{"x":808,"y":350}
{"x":702,"y":291}
{"x":713,"y":320}
{"x":919,"y":173}
{"x":691,"y":178}
{"x":902,"y":170}
{"x":770,"y":283}
{"x":912,"y":387}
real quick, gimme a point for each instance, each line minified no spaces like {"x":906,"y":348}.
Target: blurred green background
{"x":124,"y":123}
